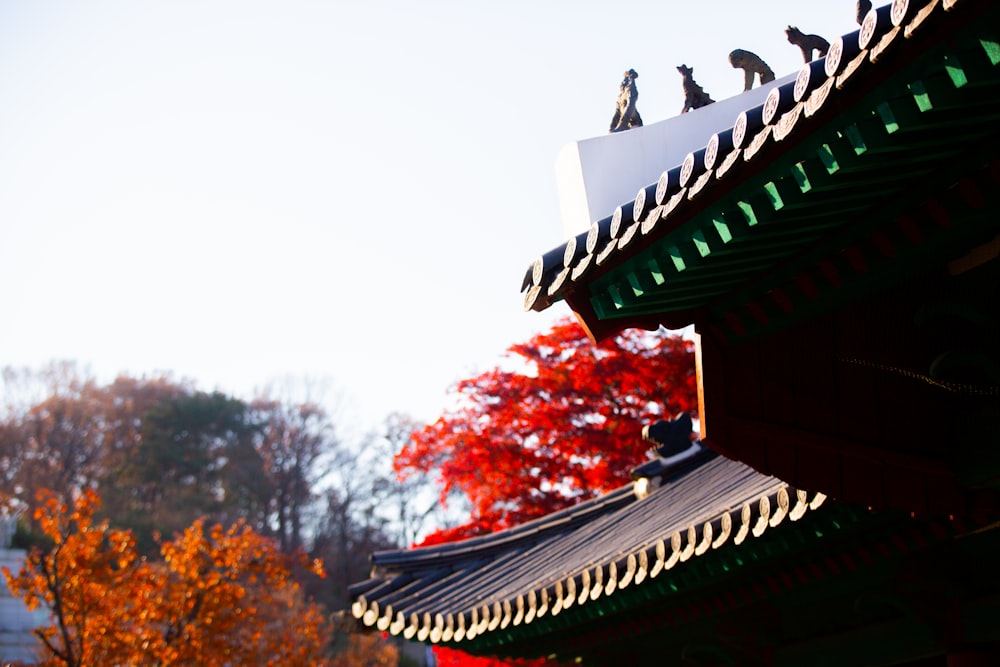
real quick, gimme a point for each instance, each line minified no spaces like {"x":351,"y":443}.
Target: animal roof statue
{"x":694,"y":95}
{"x":626,"y":115}
{"x":864,"y":6}
{"x":751,"y":64}
{"x":807,"y":43}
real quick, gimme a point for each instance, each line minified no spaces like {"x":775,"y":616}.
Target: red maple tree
{"x":557,"y":422}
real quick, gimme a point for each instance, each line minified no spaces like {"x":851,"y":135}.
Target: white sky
{"x":237,"y":191}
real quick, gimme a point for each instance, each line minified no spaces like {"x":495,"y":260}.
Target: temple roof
{"x":473,"y":593}
{"x":882,"y":155}
{"x":865,"y":160}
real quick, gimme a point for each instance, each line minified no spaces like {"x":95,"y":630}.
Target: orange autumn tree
{"x":219,"y":597}
{"x":558,"y":422}
{"x":367,"y":650}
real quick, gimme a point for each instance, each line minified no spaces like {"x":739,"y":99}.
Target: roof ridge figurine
{"x":626,"y":115}
{"x":807,"y":43}
{"x":751,"y":64}
{"x":675,"y":444}
{"x":864,"y":6}
{"x":694,"y":95}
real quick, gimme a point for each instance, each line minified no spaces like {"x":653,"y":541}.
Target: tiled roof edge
{"x":732,"y":527}
{"x":531,"y":530}
{"x":557,"y":273}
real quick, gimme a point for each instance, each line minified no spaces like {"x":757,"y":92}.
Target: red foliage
{"x":558,"y":422}
{"x":447,"y":657}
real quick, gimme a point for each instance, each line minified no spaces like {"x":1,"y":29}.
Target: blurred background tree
{"x":557,"y":421}
{"x":165,"y":458}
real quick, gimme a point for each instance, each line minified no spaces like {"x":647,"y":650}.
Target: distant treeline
{"x":161,"y":454}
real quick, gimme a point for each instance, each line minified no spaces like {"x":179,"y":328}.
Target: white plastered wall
{"x":596,"y":175}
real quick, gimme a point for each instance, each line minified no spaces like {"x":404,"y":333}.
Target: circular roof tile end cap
{"x":598,"y":582}
{"x":411,"y":629}
{"x":876,"y":23}
{"x":543,"y":602}
{"x":484,"y":620}
{"x":834,"y":57}
{"x":642,"y":567}
{"x":359,"y":607}
{"x":424,"y":629}
{"x":719,"y":145}
{"x":748,"y":123}
{"x":692,"y":167}
{"x":449,"y":628}
{"x":570,"y":593}
{"x":437,"y":629}
{"x":811,"y":76}
{"x":495,"y":616}
{"x":644,"y":202}
{"x":600,"y":230}
{"x":585,"y":586}
{"x":707,"y":533}
{"x":508,"y":614}
{"x":398,"y":625}
{"x":576,"y":247}
{"x":618,"y":222}
{"x":518,"y":610}
{"x":902,"y":10}
{"x":842,"y":50}
{"x":385,"y":620}
{"x":547,"y":264}
{"x":668,"y":183}
{"x":781,"y":511}
{"x":801,"y":505}
{"x":611,"y":585}
{"x":817,"y":501}
{"x":779,"y":100}
{"x":631,"y":566}
{"x":537,"y":270}
{"x":532,"y":300}
{"x":744,"y":528}
{"x":725,"y":529}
